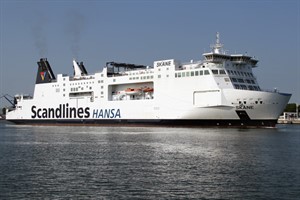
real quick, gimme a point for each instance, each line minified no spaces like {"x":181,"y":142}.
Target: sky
{"x":140,"y":32}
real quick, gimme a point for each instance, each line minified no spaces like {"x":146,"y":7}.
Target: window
{"x":175,"y":75}
{"x":196,"y":73}
{"x":222,"y":71}
{"x":227,"y":79}
{"x":187,"y":74}
{"x":206,"y":72}
{"x":256,"y":88}
{"x":244,"y":87}
{"x":214,"y":71}
{"x":201,"y":73}
{"x":183,"y":74}
{"x":192,"y":73}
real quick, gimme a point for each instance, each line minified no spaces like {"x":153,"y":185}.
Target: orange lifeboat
{"x":132,"y":91}
{"x":148,"y":89}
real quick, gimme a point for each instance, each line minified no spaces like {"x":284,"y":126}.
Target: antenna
{"x":218,"y":46}
{"x":218,"y":38}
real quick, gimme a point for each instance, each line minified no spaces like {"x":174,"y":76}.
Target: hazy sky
{"x":144,"y":31}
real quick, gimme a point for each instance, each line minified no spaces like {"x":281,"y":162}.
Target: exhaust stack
{"x":79,"y":69}
{"x":45,"y":73}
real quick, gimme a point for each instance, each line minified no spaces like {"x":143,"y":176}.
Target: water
{"x":149,"y":163}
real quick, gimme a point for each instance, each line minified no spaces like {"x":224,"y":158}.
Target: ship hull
{"x":148,"y":122}
{"x":171,"y":115}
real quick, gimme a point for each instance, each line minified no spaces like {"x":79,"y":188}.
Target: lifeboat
{"x":133,"y":91}
{"x":148,"y":89}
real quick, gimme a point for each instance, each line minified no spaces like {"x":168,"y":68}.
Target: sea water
{"x":70,"y":162}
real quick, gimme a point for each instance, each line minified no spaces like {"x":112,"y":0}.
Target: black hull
{"x":149,"y":122}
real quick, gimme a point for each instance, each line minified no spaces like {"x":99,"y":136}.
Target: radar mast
{"x":216,"y":48}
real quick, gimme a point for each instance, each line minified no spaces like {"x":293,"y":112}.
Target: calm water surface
{"x":149,"y":163}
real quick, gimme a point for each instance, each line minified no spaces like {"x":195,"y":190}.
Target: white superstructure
{"x":220,"y":90}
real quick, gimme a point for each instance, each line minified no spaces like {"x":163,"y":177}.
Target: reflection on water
{"x":149,"y":163}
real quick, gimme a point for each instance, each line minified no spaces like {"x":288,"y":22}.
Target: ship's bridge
{"x":239,"y":59}
{"x":218,"y":55}
{"x":243,"y":60}
{"x":216,"y":58}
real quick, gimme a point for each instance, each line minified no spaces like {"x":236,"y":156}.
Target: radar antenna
{"x":218,"y":46}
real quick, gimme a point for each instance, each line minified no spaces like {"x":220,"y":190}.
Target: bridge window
{"x":237,"y":86}
{"x":244,"y":87}
{"x":214,"y":71}
{"x":222,"y":71}
{"x":227,"y":79}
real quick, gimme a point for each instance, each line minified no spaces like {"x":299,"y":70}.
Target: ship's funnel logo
{"x":43,"y":74}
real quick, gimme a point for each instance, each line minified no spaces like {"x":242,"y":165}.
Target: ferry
{"x":220,"y":91}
